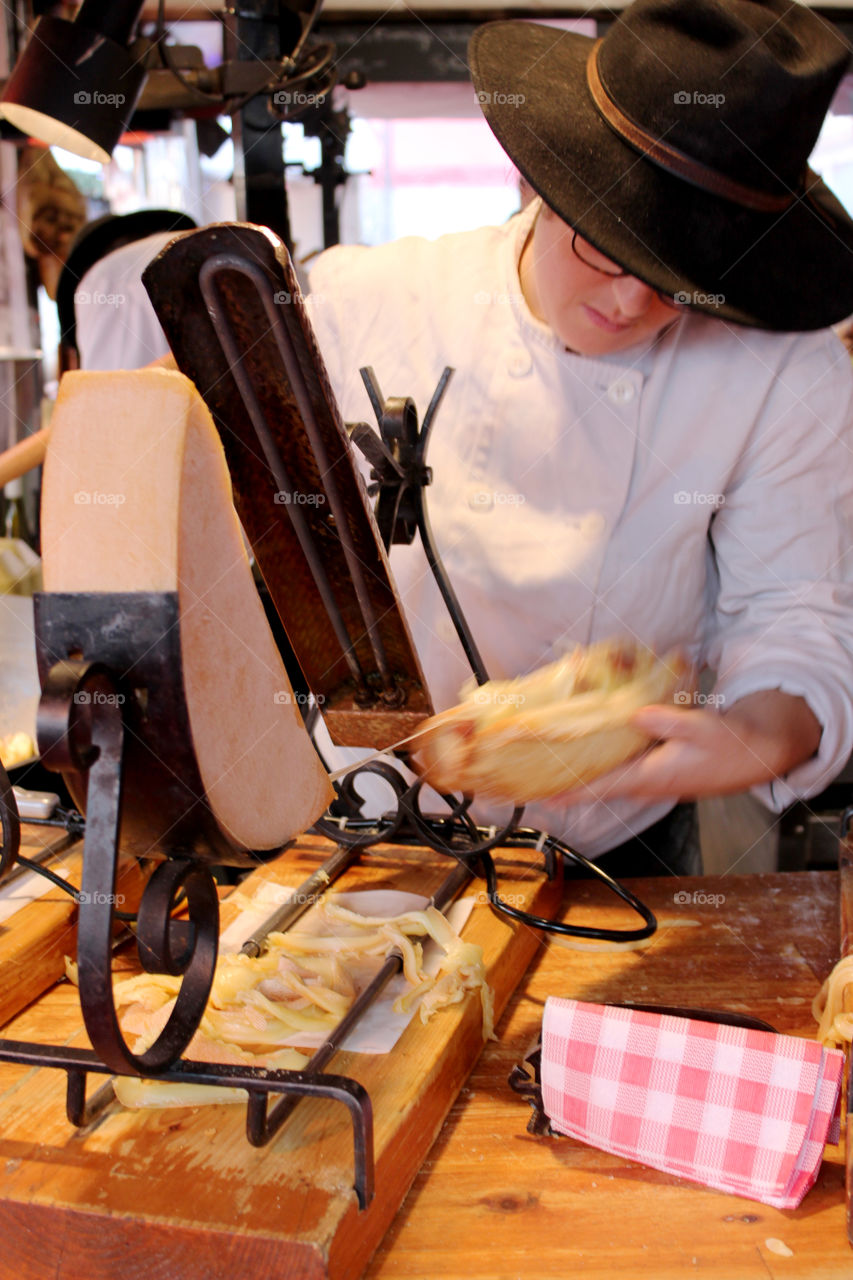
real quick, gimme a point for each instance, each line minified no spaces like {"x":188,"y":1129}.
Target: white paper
{"x":380,"y":1027}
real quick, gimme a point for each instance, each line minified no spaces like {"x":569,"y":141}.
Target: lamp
{"x":76,"y":84}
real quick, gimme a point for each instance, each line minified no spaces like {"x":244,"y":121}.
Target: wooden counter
{"x":180,"y":1192}
{"x":493,"y":1203}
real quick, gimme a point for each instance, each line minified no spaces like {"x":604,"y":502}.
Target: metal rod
{"x":472,"y":653}
{"x":445,"y":893}
{"x":273,"y":457}
{"x":301,"y":899}
{"x":436,"y":564}
{"x":79,"y":1111}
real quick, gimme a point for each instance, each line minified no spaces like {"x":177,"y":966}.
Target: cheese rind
{"x":137,"y":497}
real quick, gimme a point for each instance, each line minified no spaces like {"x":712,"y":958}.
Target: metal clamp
{"x":81,"y":729}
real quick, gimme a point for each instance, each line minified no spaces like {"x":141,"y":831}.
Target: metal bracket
{"x":399,"y":473}
{"x":81,"y":729}
{"x":400,"y":476}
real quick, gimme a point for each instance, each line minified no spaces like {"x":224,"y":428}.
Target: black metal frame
{"x":94,"y":742}
{"x":400,"y":475}
{"x":113,"y":713}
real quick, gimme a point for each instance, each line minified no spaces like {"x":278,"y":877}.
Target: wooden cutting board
{"x":38,"y":928}
{"x":180,"y":1193}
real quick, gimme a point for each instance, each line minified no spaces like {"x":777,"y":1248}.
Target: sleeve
{"x":117,"y":327}
{"x":326,"y":282}
{"x":782,"y":552}
{"x":340,"y":305}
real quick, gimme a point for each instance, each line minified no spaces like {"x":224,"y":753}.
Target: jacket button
{"x":620,"y":392}
{"x":519,"y":364}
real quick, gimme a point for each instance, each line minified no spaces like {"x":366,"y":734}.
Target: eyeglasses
{"x":591,"y":257}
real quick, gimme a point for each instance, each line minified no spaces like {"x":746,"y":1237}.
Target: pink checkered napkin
{"x":743,"y":1111}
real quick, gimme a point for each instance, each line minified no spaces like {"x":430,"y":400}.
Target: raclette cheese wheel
{"x":136,"y":496}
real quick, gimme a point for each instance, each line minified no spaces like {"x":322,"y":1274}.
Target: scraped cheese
{"x":555,"y":729}
{"x":137,"y":497}
{"x":831,"y":1010}
{"x":295,"y":993}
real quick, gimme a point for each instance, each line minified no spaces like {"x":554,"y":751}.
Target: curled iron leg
{"x":81,"y":727}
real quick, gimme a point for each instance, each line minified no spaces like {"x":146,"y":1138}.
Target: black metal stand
{"x":113,"y":717}
{"x":166,"y":945}
{"x":458,"y":836}
{"x":82,"y":728}
{"x":400,"y":475}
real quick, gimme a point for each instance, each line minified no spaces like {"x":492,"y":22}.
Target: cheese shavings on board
{"x":264,"y":1011}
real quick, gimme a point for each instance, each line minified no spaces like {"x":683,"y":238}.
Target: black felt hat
{"x":678,"y":146}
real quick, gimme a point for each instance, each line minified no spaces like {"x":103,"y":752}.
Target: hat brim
{"x":784,"y":271}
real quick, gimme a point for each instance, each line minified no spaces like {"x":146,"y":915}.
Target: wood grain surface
{"x":180,"y":1195}
{"x":35,"y":940}
{"x":494,"y":1203}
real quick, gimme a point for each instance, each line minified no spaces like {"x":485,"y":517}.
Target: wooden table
{"x":493,"y":1203}
{"x":181,"y":1193}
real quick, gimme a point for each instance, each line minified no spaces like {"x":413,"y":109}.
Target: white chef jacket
{"x":117,"y":327}
{"x":696,"y":491}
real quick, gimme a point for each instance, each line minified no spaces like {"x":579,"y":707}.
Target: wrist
{"x":779,"y":730}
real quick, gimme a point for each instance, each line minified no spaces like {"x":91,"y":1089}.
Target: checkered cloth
{"x":743,"y":1111}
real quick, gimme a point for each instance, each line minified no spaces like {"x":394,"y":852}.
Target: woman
{"x":650,"y":431}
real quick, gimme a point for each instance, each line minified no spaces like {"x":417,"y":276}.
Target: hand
{"x":702,"y":752}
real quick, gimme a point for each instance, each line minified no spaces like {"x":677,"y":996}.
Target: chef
{"x":649,"y":432}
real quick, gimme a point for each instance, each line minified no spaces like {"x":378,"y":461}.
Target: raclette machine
{"x":113,"y":717}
